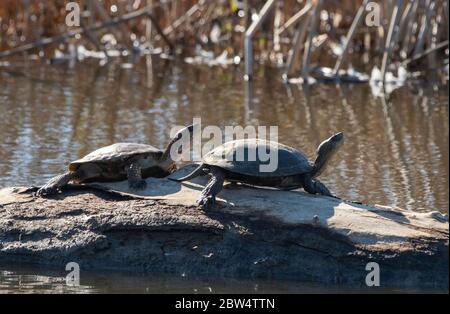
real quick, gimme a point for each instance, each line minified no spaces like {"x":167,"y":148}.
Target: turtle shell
{"x":236,"y":156}
{"x":115,"y":153}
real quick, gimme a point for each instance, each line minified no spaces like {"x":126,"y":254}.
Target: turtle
{"x":118,"y":162}
{"x":293,"y":171}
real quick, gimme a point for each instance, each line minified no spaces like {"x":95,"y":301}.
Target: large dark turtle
{"x":294,"y":169}
{"x":118,"y":162}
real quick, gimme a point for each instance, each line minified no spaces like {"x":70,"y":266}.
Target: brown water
{"x":396,"y":151}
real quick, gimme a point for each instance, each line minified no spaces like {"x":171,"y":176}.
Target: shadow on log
{"x":252,"y":233}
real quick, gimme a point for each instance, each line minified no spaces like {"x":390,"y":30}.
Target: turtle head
{"x":184,"y":133}
{"x":325,"y":151}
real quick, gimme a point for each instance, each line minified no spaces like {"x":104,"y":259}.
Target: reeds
{"x":410,"y":30}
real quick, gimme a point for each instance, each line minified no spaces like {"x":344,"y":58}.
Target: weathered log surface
{"x":251,"y":233}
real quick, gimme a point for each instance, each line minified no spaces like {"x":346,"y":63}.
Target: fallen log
{"x":251,"y":233}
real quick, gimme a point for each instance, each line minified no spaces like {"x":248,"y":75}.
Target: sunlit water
{"x":396,"y":152}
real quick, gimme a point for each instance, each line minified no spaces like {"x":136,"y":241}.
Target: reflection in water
{"x":33,"y":279}
{"x":396,"y":152}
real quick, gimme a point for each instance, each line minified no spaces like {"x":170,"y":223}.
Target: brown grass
{"x":25,"y":21}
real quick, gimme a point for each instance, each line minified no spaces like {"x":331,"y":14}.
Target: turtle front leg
{"x":316,"y":187}
{"x":214,"y":186}
{"x":134,"y":175}
{"x":55,"y":184}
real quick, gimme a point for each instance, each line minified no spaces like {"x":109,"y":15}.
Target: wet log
{"x":250,"y":233}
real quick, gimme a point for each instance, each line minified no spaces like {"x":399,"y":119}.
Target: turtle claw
{"x":138,"y":185}
{"x":47,"y":190}
{"x":206,"y":202}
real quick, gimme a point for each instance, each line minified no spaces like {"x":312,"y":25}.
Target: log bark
{"x":251,"y":233}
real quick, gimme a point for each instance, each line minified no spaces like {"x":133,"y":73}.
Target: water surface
{"x":396,"y":151}
{"x":35,"y":279}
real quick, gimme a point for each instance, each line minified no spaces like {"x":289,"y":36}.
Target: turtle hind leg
{"x":316,"y":187}
{"x":214,"y":186}
{"x":55,"y":184}
{"x":134,"y":175}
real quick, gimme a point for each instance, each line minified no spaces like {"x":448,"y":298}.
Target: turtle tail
{"x":195,"y":173}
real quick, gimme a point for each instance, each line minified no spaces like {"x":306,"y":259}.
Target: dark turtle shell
{"x":235,"y":156}
{"x":116,"y":153}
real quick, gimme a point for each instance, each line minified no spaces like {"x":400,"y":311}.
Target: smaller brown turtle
{"x":118,"y":162}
